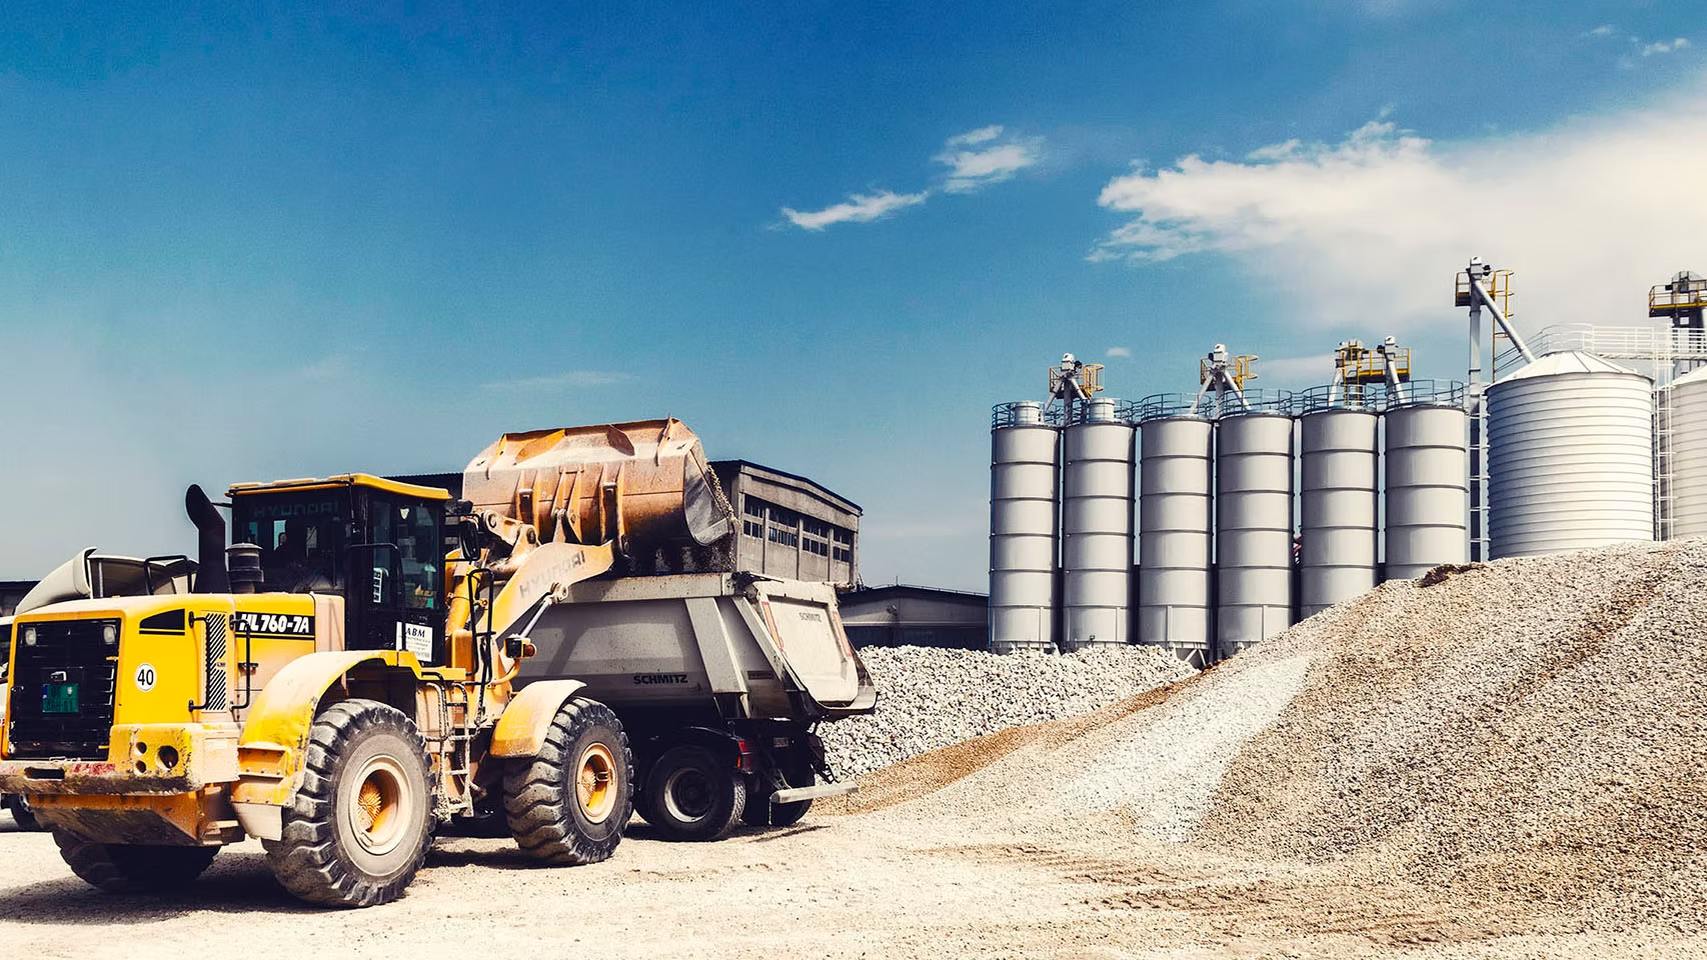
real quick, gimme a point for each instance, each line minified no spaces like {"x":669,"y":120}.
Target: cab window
{"x":414,"y":528}
{"x":300,"y":536}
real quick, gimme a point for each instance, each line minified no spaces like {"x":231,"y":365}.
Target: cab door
{"x":396,"y":594}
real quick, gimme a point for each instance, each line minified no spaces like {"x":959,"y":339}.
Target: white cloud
{"x":1120,"y":351}
{"x":984,"y":156}
{"x":557,"y":381}
{"x":1665,"y":46}
{"x":972,"y":138}
{"x":1604,"y":30}
{"x":858,"y":208}
{"x":1588,"y":214}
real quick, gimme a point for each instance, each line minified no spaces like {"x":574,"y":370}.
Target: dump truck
{"x":719,"y":677}
{"x":336,"y":683}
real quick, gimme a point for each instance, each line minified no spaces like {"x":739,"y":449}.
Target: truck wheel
{"x":692,"y":794}
{"x":570,"y":804}
{"x":361,"y":823}
{"x":124,"y":868}
{"x":21,"y":813}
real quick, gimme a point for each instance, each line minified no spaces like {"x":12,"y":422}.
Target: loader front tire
{"x":570,"y":803}
{"x":693,"y":794}
{"x":360,"y":825}
{"x":127,"y":868}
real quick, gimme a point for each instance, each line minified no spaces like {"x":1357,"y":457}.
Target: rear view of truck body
{"x":719,"y":678}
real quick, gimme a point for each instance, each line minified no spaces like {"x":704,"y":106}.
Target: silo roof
{"x":1568,"y":361}
{"x":1694,"y":376}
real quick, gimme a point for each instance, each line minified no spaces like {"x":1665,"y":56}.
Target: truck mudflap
{"x":806,"y":626}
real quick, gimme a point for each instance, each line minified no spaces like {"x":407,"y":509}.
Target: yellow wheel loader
{"x":340,"y":681}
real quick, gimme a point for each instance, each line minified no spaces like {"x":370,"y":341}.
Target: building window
{"x":816,"y":528}
{"x":817,"y":547}
{"x":843,"y":555}
{"x":842,"y":535}
{"x":754,"y":530}
{"x":754,"y":507}
{"x":785,"y":537}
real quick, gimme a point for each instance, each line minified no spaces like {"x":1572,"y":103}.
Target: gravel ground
{"x":930,"y":698}
{"x":1526,"y":741}
{"x":1507,"y":764}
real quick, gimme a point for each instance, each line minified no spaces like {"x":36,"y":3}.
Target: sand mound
{"x":1530,"y":731}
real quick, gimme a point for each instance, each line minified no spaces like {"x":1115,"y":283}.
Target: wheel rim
{"x":595,"y":782}
{"x":380,"y":806}
{"x":687,"y":795}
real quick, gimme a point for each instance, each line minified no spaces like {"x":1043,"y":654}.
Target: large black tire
{"x":570,"y":804}
{"x":123,"y":868}
{"x":693,"y":794}
{"x":19,"y":807}
{"x":360,"y":825}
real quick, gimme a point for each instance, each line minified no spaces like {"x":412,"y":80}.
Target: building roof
{"x":864,"y":594}
{"x":772,"y":473}
{"x":1567,"y":361}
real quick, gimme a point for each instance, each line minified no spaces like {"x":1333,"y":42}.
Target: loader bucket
{"x":642,"y":485}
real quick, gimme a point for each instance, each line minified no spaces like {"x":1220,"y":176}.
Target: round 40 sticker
{"x":145,"y":677}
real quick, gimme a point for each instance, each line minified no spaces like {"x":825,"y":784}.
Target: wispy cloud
{"x":1120,"y":351}
{"x":1588,"y":214}
{"x":1665,"y":46}
{"x":857,"y":208}
{"x":975,"y":159}
{"x":984,"y":156}
{"x":558,"y":381}
{"x":1604,"y":30}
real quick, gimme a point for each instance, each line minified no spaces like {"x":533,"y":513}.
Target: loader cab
{"x":377,"y":543}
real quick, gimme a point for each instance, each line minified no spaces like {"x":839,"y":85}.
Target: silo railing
{"x":1427,"y":393}
{"x":1356,"y":396}
{"x":1024,"y":413}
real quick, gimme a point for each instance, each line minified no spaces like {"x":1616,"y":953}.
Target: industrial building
{"x":906,"y":615}
{"x":1204,"y":523}
{"x":11,"y":591}
{"x":791,"y":526}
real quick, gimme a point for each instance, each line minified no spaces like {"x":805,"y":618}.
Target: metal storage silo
{"x":1174,"y":532}
{"x":1685,"y":471}
{"x":1253,"y":528}
{"x":1096,"y":526}
{"x":1428,"y":482}
{"x":1570,"y":456}
{"x":1337,"y":506}
{"x":1024,"y":470}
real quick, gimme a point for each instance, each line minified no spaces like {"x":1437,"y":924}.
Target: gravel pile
{"x":930,"y":698}
{"x":1529,"y":733}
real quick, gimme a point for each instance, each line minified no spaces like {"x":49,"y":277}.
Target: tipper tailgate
{"x":809,"y":633}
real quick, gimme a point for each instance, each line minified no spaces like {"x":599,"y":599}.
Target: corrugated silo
{"x":1428,"y":484}
{"x":1174,"y":533}
{"x":1686,"y":469}
{"x":1253,"y":528}
{"x":1024,"y":462}
{"x":1096,"y":526}
{"x":1337,"y":506}
{"x":1570,"y":456}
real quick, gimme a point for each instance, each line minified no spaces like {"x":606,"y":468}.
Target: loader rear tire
{"x":361,"y":823}
{"x":693,"y":794}
{"x":126,"y":868}
{"x":19,"y":807}
{"x":570,"y":803}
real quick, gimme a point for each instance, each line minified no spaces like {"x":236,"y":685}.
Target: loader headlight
{"x":29,"y":636}
{"x":110,"y":634}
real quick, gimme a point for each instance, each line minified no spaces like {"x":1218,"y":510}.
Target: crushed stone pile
{"x":1531,"y":731}
{"x":929,"y":698}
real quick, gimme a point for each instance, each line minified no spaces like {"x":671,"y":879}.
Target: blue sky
{"x":247,"y":246}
